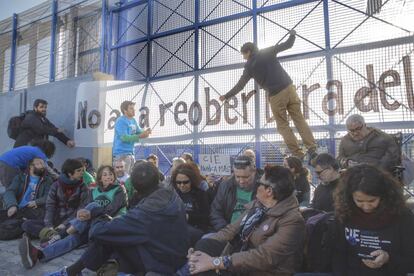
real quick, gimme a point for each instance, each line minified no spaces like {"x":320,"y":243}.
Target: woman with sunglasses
{"x":266,"y":240}
{"x":375,"y":231}
{"x":186,"y":182}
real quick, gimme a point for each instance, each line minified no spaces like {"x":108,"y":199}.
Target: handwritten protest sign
{"x":215,"y":164}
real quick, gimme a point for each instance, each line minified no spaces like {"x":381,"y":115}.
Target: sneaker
{"x":53,"y":239}
{"x":28,"y":253}
{"x":60,"y":272}
{"x":110,"y":268}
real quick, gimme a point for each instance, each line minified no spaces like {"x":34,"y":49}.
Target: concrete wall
{"x":61,"y":97}
{"x":10,"y":105}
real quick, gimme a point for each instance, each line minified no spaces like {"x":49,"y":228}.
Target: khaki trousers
{"x":287,"y":101}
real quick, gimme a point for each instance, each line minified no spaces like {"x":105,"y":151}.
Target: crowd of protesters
{"x":134,"y":218}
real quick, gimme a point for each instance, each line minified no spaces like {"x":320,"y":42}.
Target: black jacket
{"x":264,"y":67}
{"x":197,"y":207}
{"x":224,"y":202}
{"x":302,"y":186}
{"x":396,"y":238}
{"x":154,"y":231}
{"x":35,"y":126}
{"x":323,"y":196}
{"x":61,"y":207}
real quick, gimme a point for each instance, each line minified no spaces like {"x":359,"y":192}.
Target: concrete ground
{"x":10,"y":264}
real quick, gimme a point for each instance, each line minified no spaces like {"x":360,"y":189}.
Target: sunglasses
{"x":260,"y":183}
{"x":185,"y":182}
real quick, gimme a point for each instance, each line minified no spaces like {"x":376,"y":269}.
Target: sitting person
{"x":14,"y":161}
{"x":234,"y":194}
{"x":108,"y":195}
{"x":25,"y":198}
{"x":151,"y":237}
{"x":302,"y":179}
{"x":153,"y":159}
{"x":252,"y":154}
{"x":121,"y":173}
{"x":175,"y":163}
{"x":327,"y":169}
{"x":267,"y":239}
{"x":187,"y":185}
{"x":367,"y":145}
{"x":203,"y":180}
{"x":66,"y":196}
{"x":374,"y":234}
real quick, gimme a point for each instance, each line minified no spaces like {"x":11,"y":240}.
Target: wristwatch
{"x":217,"y":263}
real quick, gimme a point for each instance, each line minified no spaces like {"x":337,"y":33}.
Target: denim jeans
{"x":72,"y":241}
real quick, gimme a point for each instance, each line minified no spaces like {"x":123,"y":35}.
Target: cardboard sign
{"x":215,"y":164}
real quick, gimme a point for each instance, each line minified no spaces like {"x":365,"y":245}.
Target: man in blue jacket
{"x":127,"y":133}
{"x":264,"y":67}
{"x":151,"y":237}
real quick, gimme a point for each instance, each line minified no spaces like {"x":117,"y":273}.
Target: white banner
{"x":98,"y":106}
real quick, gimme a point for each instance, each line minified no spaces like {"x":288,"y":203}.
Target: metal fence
{"x":349,"y":57}
{"x":52,"y":41}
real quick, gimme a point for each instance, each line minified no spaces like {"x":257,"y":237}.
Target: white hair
{"x":355,"y":119}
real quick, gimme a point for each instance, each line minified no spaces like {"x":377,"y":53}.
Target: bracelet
{"x":227,"y":262}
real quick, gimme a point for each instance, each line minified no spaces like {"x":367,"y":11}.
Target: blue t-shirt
{"x":19,"y":157}
{"x":124,"y":126}
{"x":29,"y":195}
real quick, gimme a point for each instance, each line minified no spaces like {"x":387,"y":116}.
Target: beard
{"x":38,"y":172}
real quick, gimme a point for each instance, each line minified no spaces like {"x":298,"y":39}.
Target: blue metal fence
{"x":189,"y":49}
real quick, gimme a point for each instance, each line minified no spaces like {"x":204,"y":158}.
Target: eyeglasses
{"x":185,"y":182}
{"x":355,"y":129}
{"x":320,"y":172}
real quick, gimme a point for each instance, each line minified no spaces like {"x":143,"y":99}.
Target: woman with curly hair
{"x":375,"y":228}
{"x":186,"y":181}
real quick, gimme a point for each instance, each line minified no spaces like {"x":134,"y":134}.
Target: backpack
{"x":320,"y":238}
{"x":14,"y":126}
{"x":11,"y":229}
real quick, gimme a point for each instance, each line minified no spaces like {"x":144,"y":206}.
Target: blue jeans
{"x":72,"y":241}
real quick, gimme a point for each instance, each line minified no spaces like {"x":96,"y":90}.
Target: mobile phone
{"x":366,"y":257}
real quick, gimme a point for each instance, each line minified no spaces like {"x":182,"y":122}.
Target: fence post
{"x":103,"y":36}
{"x":52,"y":65}
{"x":13,"y":54}
{"x":329,"y":76}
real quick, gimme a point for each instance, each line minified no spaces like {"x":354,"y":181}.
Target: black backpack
{"x":14,"y":126}
{"x":320,"y":238}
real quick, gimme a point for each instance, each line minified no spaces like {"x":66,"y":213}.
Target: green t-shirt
{"x":243,"y":197}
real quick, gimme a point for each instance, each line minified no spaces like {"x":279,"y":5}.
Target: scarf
{"x":249,"y":223}
{"x":68,"y":186}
